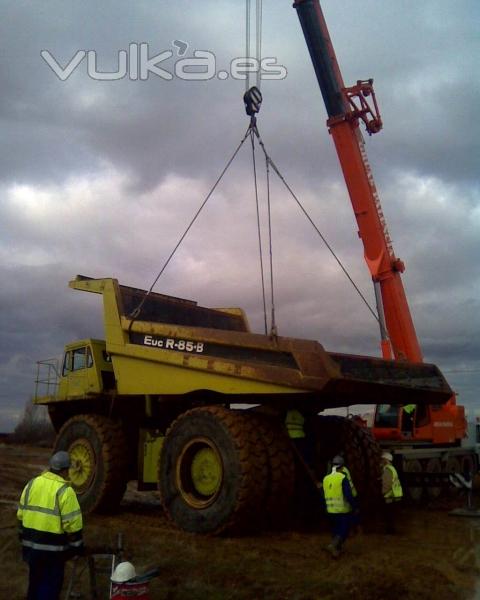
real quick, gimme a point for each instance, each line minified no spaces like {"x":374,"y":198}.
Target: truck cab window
{"x":82,"y":358}
{"x":67,"y":363}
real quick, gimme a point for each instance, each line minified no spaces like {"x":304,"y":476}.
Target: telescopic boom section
{"x":345,"y":108}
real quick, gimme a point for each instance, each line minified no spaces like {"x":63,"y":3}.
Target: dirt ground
{"x":435,"y":555}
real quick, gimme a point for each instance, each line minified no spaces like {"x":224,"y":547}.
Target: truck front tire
{"x":99,"y":461}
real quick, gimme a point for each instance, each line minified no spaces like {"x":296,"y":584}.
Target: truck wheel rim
{"x":82,"y":468}
{"x":199,"y":473}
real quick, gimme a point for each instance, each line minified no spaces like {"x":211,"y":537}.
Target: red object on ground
{"x":122,"y":591}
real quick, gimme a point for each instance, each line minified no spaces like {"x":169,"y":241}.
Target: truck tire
{"x":280,"y":471}
{"x":212,"y":472}
{"x":99,"y":460}
{"x":339,"y":435}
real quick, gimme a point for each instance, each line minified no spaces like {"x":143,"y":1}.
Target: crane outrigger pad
{"x":173,"y":346}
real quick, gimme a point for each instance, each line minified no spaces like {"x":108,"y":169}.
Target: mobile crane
{"x":432,"y":441}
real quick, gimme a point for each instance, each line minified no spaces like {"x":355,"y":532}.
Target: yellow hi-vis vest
{"x":395,"y":492}
{"x":334,"y":498}
{"x":350,"y":481}
{"x":49,"y":515}
{"x":294,"y":423}
{"x":409,"y":408}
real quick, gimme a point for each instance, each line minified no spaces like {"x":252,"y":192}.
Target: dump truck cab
{"x":85,"y":371}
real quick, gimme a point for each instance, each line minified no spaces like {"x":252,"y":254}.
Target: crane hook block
{"x":253,"y":100}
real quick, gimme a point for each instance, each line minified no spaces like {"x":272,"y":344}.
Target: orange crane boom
{"x":346,"y":108}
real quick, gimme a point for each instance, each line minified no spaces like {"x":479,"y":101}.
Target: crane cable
{"x":253,"y":132}
{"x":136,"y":312}
{"x":259,"y":231}
{"x":273,"y":326}
{"x":258,"y":41}
{"x":247,"y":42}
{"x":303,"y":209}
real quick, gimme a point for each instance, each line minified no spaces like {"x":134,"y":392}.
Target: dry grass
{"x":429,"y":560}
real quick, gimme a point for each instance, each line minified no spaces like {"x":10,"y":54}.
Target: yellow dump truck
{"x":155,"y":402}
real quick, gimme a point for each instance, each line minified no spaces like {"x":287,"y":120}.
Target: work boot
{"x":335,"y":547}
{"x":332,"y":550}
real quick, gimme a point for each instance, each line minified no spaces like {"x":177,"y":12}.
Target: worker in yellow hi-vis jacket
{"x":392,"y":492}
{"x":50,"y":528}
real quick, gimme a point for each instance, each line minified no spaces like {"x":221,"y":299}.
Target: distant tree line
{"x":34,"y":427}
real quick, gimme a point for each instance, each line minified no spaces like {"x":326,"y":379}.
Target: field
{"x":435,"y":555}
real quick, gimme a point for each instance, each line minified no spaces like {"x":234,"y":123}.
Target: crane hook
{"x":253,"y":100}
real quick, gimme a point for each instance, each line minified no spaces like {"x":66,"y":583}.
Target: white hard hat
{"x":387,"y":456}
{"x":124,"y":571}
{"x":59,"y":461}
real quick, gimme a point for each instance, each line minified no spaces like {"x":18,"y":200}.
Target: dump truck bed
{"x":164,"y":345}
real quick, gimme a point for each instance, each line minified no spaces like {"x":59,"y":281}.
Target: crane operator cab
{"x":399,"y":421}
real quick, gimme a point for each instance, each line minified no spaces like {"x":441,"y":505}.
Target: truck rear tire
{"x":99,"y":460}
{"x":212,"y":472}
{"x":280,"y":471}
{"x":362,"y":454}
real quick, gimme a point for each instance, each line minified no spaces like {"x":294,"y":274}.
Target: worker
{"x":294,"y":422}
{"x":408,"y":416}
{"x":340,"y":504}
{"x":50,"y":528}
{"x":392,"y":492}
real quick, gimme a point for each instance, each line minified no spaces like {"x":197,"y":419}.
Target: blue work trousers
{"x":45,"y":578}
{"x":340,"y":524}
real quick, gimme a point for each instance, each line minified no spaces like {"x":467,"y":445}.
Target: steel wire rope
{"x":273,"y":324}
{"x":258,"y":33}
{"x":260,"y":245}
{"x":325,"y":241}
{"x":136,"y":312}
{"x":247,"y":43}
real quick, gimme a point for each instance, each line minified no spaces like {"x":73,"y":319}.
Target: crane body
{"x":347,"y":108}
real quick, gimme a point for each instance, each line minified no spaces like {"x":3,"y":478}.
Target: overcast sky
{"x":102,"y":177}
